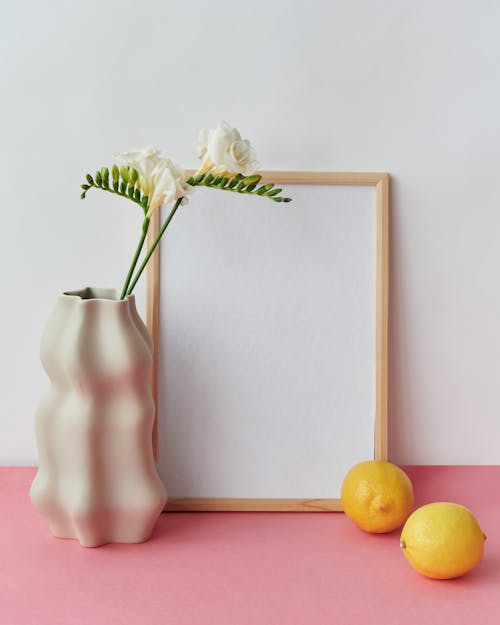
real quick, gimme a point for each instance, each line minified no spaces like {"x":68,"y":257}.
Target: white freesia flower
{"x":159,"y":178}
{"x":223,"y":151}
{"x":167,"y":182}
{"x":144,"y":161}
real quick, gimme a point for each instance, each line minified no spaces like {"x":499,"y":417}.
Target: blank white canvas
{"x":267,"y":343}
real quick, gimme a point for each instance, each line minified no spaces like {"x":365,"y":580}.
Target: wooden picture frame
{"x":380,"y":183}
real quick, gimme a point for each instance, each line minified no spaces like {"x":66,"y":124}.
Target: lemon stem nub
{"x":402,"y":544}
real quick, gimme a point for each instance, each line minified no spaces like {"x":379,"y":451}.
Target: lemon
{"x":377,"y":495}
{"x":442,"y":540}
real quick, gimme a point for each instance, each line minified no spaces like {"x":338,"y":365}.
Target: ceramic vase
{"x":97,"y":480}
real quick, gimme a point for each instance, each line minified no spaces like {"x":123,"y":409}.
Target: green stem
{"x":145,"y":226}
{"x":153,"y":246}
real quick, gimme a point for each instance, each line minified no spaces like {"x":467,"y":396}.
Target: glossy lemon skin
{"x":442,"y":540}
{"x":377,"y":496}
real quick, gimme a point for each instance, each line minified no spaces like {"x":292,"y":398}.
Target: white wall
{"x":409,"y":88}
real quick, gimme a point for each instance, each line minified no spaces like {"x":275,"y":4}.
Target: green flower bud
{"x":265,"y":189}
{"x":252,"y":180}
{"x":116,"y":185}
{"x":223,"y":183}
{"x":274,"y":192}
{"x":85,"y":187}
{"x":98,"y":178}
{"x":217,"y":180}
{"x":131,"y":190}
{"x":105,"y":173}
{"x":115,"y":173}
{"x":133,"y":175}
{"x":124,"y":173}
{"x":250,"y":187}
{"x":234,"y":181}
{"x":209,"y":179}
{"x":123,"y":187}
{"x":90,"y":180}
{"x":82,"y":196}
{"x":199,"y":179}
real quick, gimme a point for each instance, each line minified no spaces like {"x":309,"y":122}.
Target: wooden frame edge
{"x":379,"y":180}
{"x":382,"y":319}
{"x":205,"y":504}
{"x":153,"y":315}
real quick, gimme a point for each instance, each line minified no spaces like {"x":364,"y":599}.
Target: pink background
{"x":245,"y":568}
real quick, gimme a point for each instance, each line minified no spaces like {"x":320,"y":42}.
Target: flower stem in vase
{"x":153,"y":246}
{"x":145,"y":226}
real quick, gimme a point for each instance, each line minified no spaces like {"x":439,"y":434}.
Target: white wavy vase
{"x":97,"y":480}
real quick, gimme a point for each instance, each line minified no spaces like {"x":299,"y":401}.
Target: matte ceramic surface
{"x":97,"y":481}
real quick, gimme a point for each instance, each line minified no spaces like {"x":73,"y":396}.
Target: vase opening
{"x":93,"y":293}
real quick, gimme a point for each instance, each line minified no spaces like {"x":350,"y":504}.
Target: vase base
{"x":112,"y":526}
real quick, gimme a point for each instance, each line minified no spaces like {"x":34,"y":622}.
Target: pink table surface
{"x":245,"y":568}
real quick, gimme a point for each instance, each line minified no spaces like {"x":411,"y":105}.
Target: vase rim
{"x":92,"y":294}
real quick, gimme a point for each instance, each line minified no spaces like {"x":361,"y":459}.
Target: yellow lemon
{"x":377,"y":496}
{"x":442,"y":540}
